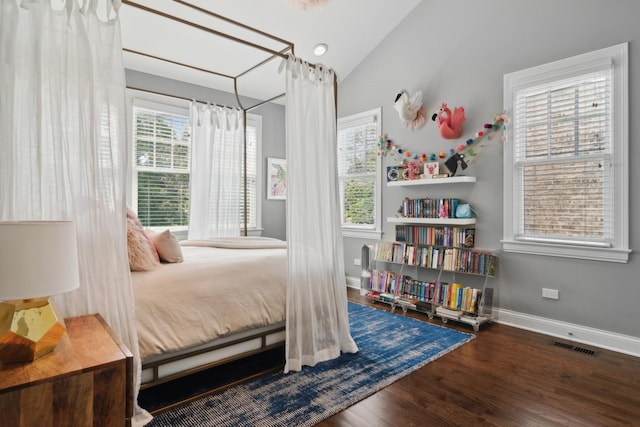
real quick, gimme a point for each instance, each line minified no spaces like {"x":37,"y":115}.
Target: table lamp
{"x":37,"y":259}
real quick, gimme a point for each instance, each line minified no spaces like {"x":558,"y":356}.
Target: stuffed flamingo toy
{"x":450,"y":124}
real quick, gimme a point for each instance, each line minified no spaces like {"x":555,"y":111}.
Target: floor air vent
{"x":574,"y":348}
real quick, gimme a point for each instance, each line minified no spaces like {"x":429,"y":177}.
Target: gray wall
{"x":273,"y":133}
{"x":457,"y":52}
{"x":274,"y":212}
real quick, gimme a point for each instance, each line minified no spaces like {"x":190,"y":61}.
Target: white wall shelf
{"x":431,"y":181}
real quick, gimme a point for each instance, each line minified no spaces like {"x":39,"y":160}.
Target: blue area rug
{"x":390,"y":347}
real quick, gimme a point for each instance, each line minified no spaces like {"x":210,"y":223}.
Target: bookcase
{"x":419,"y":269}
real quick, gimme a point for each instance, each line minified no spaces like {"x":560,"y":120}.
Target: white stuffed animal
{"x":410,"y":109}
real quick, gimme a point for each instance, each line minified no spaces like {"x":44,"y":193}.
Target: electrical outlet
{"x":550,"y":293}
{"x":356,"y":261}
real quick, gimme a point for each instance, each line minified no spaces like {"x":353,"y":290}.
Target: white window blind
{"x":562,"y":143}
{"x":253,"y":148}
{"x":566,"y":166}
{"x":359,"y":170}
{"x":162,"y":138}
{"x":162,"y":157}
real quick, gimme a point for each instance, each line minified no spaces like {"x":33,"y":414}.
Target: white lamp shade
{"x":37,"y":259}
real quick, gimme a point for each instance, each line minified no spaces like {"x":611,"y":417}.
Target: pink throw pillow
{"x":140,"y":255}
{"x":131,"y":216}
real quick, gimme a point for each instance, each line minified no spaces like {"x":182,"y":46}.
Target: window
{"x":162,"y":149}
{"x":359,"y":174}
{"x":160,"y":179}
{"x":566,"y":167}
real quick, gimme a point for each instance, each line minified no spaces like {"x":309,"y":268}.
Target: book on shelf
{"x":428,"y":208}
{"x":424,"y":306}
{"x":406,"y":301}
{"x":469,"y":238}
{"x":387,"y":297}
{"x":448,"y":312}
{"x":436,"y":257}
{"x":433,"y":235}
{"x":373,"y":295}
{"x":459,"y":299}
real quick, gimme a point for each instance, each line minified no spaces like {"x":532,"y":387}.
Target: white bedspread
{"x":215,"y":292}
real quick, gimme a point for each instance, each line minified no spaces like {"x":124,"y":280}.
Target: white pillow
{"x":166,"y":244}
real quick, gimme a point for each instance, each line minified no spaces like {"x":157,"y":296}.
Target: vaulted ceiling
{"x":350,"y":28}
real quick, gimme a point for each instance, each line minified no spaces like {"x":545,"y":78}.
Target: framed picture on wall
{"x":276,"y":179}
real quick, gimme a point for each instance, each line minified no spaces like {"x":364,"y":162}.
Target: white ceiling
{"x":351,"y":29}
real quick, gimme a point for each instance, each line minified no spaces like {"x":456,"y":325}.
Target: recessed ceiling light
{"x":320,"y":49}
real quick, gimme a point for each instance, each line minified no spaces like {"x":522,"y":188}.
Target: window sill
{"x":362,"y":234}
{"x":252,"y":232}
{"x":181,"y":234}
{"x":567,"y":251}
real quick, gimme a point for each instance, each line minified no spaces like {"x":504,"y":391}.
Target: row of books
{"x":450,"y":259}
{"x":454,"y":296}
{"x":429,"y":208}
{"x":457,"y":237}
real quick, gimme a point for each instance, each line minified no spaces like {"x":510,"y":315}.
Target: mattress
{"x":215,"y":293}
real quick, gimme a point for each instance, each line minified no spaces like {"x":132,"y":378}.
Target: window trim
{"x":152,"y":101}
{"x":551,"y":72}
{"x":362,"y":231}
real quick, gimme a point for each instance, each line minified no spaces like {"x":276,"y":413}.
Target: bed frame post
{"x":244,"y":167}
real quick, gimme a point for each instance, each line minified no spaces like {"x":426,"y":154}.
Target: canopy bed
{"x":261,"y":267}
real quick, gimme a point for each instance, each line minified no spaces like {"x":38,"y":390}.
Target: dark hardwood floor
{"x":506,"y":377}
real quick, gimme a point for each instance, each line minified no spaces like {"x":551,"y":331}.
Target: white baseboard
{"x":353,"y":282}
{"x":582,"y":334}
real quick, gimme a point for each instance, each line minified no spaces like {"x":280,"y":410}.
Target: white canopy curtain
{"x":317,"y":316}
{"x":63,"y":145}
{"x":216,"y":171}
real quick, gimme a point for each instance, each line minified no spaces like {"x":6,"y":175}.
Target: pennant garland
{"x":387,"y":147}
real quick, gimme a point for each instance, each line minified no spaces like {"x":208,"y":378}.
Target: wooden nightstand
{"x":86,"y":381}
